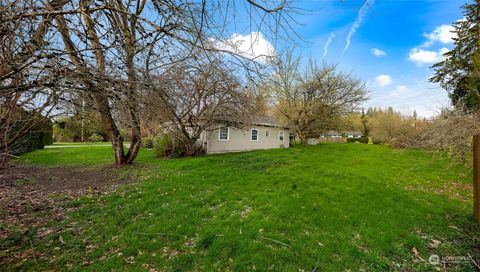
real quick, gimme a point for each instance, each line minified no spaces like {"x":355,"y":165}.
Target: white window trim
{"x":258,"y":134}
{"x":283,"y":134}
{"x":228,"y":134}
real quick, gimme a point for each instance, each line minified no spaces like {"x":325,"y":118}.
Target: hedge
{"x":363,"y":140}
{"x":39,"y":135}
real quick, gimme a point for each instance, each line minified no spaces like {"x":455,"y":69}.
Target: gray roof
{"x":267,"y":121}
{"x":353,"y":133}
{"x":331,"y":133}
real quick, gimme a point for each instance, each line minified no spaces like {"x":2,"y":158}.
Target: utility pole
{"x":414,"y":119}
{"x":476,"y":177}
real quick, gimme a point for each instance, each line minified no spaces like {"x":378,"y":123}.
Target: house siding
{"x":240,"y":139}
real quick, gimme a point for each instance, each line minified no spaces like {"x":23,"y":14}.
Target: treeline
{"x":385,"y":126}
{"x":451,"y":131}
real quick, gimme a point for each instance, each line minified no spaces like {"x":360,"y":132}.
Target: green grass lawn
{"x":330,"y":207}
{"x":81,"y":143}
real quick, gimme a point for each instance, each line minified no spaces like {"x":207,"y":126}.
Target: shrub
{"x":376,"y":141}
{"x":170,"y":145}
{"x":148,"y":142}
{"x":69,"y":129}
{"x":351,"y":140}
{"x":36,"y":139}
{"x":363,"y":140}
{"x":96,"y":138}
{"x":39,"y":135}
{"x":163,"y":145}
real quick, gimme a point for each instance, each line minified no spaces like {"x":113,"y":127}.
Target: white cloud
{"x":382,"y":80}
{"x":399,"y":90}
{"x":378,"y":52}
{"x":252,"y":46}
{"x":424,"y":97}
{"x":421,"y":56}
{"x":442,"y":34}
{"x":361,"y":14}
{"x":327,"y":44}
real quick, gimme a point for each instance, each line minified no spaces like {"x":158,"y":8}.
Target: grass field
{"x":80,"y":143}
{"x":330,"y":207}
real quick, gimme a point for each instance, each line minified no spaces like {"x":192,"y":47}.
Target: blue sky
{"x":407,"y":36}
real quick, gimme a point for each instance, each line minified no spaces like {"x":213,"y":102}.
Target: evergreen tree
{"x":457,"y":72}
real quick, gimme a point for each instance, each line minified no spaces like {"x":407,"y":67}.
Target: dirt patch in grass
{"x":31,"y":196}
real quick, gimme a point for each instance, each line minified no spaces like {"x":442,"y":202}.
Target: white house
{"x":258,"y":135}
{"x":331,"y":134}
{"x":353,"y":134}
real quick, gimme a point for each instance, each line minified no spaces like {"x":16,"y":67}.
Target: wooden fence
{"x":476,"y":177}
{"x":314,"y":141}
{"x":332,"y":140}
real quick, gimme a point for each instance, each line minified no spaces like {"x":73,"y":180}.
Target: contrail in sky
{"x":361,"y":14}
{"x":327,"y":44}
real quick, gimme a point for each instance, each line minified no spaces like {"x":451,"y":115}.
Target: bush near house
{"x":363,"y":140}
{"x":163,"y":146}
{"x":351,"y":140}
{"x":148,"y":142}
{"x":173,"y":145}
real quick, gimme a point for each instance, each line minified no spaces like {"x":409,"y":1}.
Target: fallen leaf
{"x":60,"y":238}
{"x":130,"y":260}
{"x":434,"y":243}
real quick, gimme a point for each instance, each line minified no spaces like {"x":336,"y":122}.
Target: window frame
{"x":251,"y":135}
{"x":281,"y":134}
{"x":220,"y":133}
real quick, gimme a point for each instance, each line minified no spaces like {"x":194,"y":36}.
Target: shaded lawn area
{"x":86,"y":155}
{"x":330,"y":207}
{"x":80,"y":143}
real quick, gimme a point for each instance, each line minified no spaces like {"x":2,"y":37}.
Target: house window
{"x":223,"y":134}
{"x":280,"y":136}
{"x":254,"y":135}
{"x":266,"y":133}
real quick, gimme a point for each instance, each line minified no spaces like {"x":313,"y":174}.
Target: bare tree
{"x":450,"y":132}
{"x":111,"y":47}
{"x":30,"y":69}
{"x":312,"y":100}
{"x":102,"y":50}
{"x":195,"y":97}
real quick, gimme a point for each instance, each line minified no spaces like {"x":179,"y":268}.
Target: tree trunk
{"x":303,"y":138}
{"x":302,"y":135}
{"x":136,"y":136}
{"x":108,"y":123}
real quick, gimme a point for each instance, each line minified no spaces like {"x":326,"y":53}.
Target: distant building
{"x":333,"y":137}
{"x":331,"y":134}
{"x":353,"y":134}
